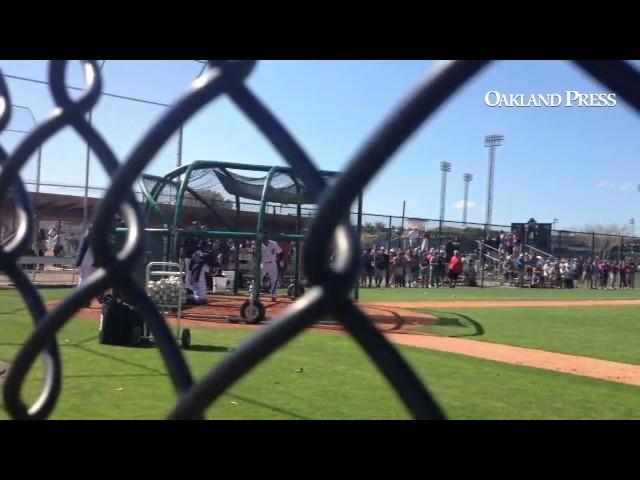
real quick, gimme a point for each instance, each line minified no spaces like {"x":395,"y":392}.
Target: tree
{"x":374,"y":233}
{"x":611,"y":229}
{"x":606,"y":238}
{"x":417,"y":224}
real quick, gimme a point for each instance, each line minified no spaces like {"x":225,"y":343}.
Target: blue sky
{"x":577,"y":164}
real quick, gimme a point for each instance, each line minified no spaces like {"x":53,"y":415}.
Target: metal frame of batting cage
{"x":174,"y":233}
{"x":332,"y":282}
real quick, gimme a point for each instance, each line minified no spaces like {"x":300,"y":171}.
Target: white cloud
{"x":460,"y":205}
{"x":606,"y":184}
{"x":622,"y":187}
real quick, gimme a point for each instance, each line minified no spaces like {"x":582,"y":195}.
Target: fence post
{"x":296,"y":271}
{"x":59,"y":227}
{"x":482,"y":265}
{"x":593,"y":255}
{"x":386,"y":278}
{"x":560,"y":243}
{"x":36,"y":231}
{"x":166,"y":244}
{"x":620,"y":247}
{"x":356,"y":292}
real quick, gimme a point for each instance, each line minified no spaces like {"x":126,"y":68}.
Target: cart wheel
{"x":291,"y":291}
{"x":185,"y":339}
{"x":252,"y":313}
{"x":136,"y":335}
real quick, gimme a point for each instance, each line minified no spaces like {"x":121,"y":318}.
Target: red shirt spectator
{"x":455,"y":265}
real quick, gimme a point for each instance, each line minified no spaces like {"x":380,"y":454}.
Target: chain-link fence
{"x":486,"y":247}
{"x":329,"y":295}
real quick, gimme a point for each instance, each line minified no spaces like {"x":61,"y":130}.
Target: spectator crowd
{"x":418,"y":267}
{"x":534,"y":271}
{"x":505,"y":260}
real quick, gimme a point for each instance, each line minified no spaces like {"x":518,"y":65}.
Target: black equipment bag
{"x":119,"y":323}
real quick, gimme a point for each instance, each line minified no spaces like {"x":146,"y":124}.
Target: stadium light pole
{"x":491,"y":141}
{"x":85,"y":203}
{"x":445,"y":167}
{"x":181,"y":131}
{"x":467,"y":177}
{"x":632,"y":222}
{"x":82,"y":89}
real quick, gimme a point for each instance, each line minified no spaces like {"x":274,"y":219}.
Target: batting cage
{"x":227,"y":210}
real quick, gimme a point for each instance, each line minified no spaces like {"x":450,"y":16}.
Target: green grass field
{"x":338,"y":382}
{"x":442,"y":294}
{"x":608,"y":333}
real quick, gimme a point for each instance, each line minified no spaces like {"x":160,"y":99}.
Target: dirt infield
{"x":529,"y":357}
{"x":504,"y":303}
{"x":395,"y":323}
{"x":221,"y":308}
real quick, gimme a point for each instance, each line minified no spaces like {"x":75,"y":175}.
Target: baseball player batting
{"x":269,"y":265}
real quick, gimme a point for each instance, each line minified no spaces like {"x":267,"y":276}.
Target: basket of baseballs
{"x":166,"y":291}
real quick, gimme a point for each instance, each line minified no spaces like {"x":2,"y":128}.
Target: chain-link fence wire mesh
{"x":484,"y":246}
{"x":604,"y":246}
{"x":331,"y":282}
{"x":377,"y":229}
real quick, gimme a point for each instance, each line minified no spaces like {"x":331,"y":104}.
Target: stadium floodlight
{"x":467,"y":177}
{"x":491,"y":141}
{"x":445,"y":167}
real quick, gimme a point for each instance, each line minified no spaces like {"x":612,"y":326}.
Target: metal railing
{"x":483,"y":245}
{"x":329,"y":295}
{"x":5,"y":241}
{"x":548,"y":255}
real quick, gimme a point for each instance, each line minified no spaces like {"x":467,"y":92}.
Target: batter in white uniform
{"x":198,"y":283}
{"x":269,"y":265}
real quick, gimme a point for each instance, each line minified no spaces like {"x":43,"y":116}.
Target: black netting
{"x":221,"y":199}
{"x":283,"y":187}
